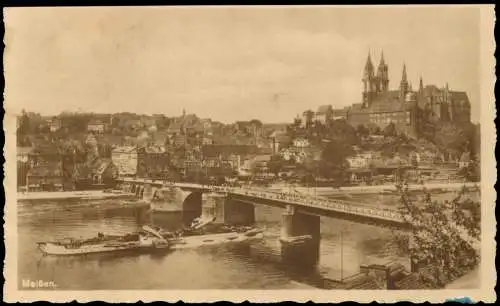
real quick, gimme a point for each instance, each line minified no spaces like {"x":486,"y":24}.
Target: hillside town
{"x":249,"y":148}
{"x":421,"y":136}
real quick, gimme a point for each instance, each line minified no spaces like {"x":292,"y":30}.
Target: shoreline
{"x":82,"y":194}
{"x":376,"y":189}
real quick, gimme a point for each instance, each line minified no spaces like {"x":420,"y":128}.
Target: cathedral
{"x":405,"y":107}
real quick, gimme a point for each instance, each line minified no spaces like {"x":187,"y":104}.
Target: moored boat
{"x":147,"y":240}
{"x":203,"y":232}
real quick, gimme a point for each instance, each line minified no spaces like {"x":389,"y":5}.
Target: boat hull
{"x":58,"y":249}
{"x":215,"y":239}
{"x":48,"y":248}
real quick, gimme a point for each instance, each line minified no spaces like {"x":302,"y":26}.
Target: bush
{"x":441,"y":237}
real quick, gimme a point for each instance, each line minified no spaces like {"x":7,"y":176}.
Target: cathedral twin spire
{"x":375,"y":83}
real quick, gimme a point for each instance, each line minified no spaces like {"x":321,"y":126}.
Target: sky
{"x":229,"y":63}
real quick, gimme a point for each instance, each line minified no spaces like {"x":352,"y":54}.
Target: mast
{"x":341,"y":255}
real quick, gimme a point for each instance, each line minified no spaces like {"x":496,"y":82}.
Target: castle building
{"x":403,"y":107}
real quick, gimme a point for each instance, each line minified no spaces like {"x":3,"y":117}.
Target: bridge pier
{"x":300,"y":238}
{"x":227,"y":211}
{"x":148,"y":192}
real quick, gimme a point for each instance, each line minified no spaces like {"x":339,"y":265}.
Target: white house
{"x":96,"y":126}
{"x":361,"y":160}
{"x":125,"y":159}
{"x":464,"y":160}
{"x":301,"y":143}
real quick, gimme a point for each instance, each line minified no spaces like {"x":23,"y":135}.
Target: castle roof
{"x":323,"y":109}
{"x":384,"y":102}
{"x":459,"y":97}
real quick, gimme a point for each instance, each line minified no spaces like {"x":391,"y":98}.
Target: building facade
{"x":406,"y":108}
{"x":96,"y":126}
{"x":125,"y":159}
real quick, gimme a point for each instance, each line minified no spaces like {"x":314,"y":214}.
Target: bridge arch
{"x":155,"y":193}
{"x":192,"y":206}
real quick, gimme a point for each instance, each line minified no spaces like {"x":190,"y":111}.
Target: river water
{"x":217,"y":267}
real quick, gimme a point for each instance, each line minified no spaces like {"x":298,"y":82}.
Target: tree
{"x":335,"y":153}
{"x":342,"y":131}
{"x":427,"y":126}
{"x":276,"y":165}
{"x":333,"y":162}
{"x":390,"y":130}
{"x":451,"y":138}
{"x":362,"y":130}
{"x":443,"y":236}
{"x":472,"y":172}
{"x":24,"y":124}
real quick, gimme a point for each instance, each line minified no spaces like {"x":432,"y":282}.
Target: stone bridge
{"x":300,"y":231}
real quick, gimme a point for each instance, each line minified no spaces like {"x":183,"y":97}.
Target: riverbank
{"x":90,"y":194}
{"x":376,"y":189}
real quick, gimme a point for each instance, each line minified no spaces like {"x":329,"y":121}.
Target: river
{"x":218,"y":267}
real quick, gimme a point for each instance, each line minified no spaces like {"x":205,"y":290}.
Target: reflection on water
{"x":217,"y":267}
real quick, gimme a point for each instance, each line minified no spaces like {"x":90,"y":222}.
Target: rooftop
{"x":53,"y":169}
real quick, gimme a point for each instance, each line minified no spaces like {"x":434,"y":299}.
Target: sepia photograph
{"x":302,"y":149}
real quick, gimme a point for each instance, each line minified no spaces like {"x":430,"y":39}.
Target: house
{"x":152,"y":161}
{"x":464,"y":160}
{"x":324,"y":114}
{"x":23,"y":164}
{"x":301,"y":143}
{"x":103,"y":172}
{"x":99,"y":173}
{"x":360,"y":175}
{"x":96,"y":126}
{"x":279,"y":141}
{"x":54,"y":124}
{"x":207,"y":141}
{"x":426,"y":158}
{"x":125,"y":159}
{"x":45,"y":177}
{"x":339,"y":114}
{"x":253,"y":127}
{"x":361,"y":160}
{"x":23,"y":154}
{"x":357,"y":161}
{"x":307,"y":118}
{"x":177,"y":140}
{"x":288,"y":153}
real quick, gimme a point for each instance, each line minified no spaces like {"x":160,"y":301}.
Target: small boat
{"x":147,"y":240}
{"x":386,"y":192}
{"x":197,"y":241}
{"x":297,"y":240}
{"x":203,"y":232}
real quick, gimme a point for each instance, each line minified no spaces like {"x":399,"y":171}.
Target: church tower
{"x":369,"y":82}
{"x":383,"y":75}
{"x":403,"y":85}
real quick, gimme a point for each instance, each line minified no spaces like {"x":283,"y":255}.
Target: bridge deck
{"x":305,"y":201}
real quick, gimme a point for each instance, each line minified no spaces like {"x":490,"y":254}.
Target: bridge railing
{"x":316,"y":202}
{"x":291,"y":198}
